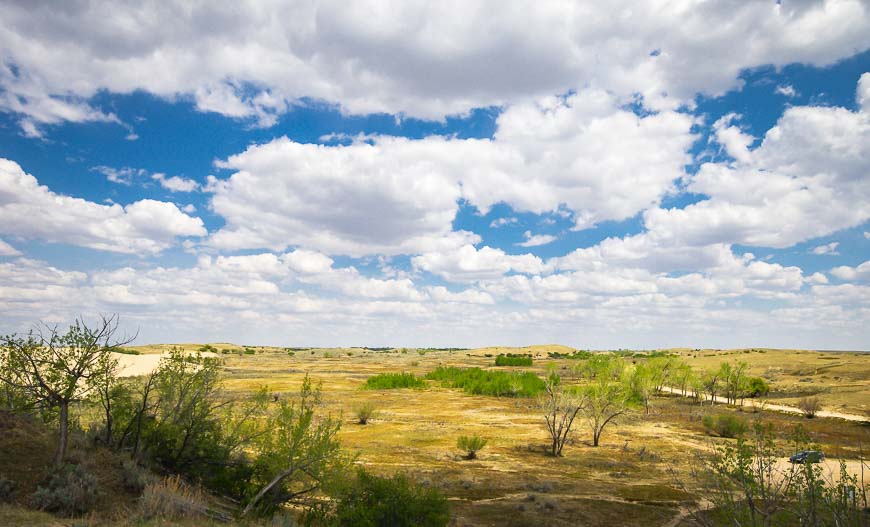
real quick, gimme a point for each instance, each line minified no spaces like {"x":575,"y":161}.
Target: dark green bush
{"x":7,"y":489}
{"x":758,"y":387}
{"x":513,"y":360}
{"x":484,"y":382}
{"x":70,"y":491}
{"x":725,"y":425}
{"x":391,"y":381}
{"x":125,"y":351}
{"x":576,"y":355}
{"x":372,"y":501}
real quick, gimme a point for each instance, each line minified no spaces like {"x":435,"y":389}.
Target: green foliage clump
{"x":513,"y":360}
{"x":70,"y":491}
{"x":484,"y":382}
{"x":250,"y":351}
{"x":748,"y":485}
{"x":576,"y":355}
{"x":725,"y":425}
{"x":471,"y":445}
{"x":122,"y":350}
{"x":371,"y":501}
{"x":757,"y":387}
{"x":7,"y":489}
{"x":208,"y":348}
{"x":391,"y":381}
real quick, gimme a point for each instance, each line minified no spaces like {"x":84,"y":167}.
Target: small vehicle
{"x":807,"y":456}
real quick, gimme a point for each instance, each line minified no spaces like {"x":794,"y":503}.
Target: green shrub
{"x":125,"y":351}
{"x":372,"y":501}
{"x":70,"y":491}
{"x":134,"y":477}
{"x":7,"y":489}
{"x":576,"y":355}
{"x":513,"y":360}
{"x":484,"y":382}
{"x":250,"y":351}
{"x":725,"y":425}
{"x":391,"y":381}
{"x":758,"y":387}
{"x":365,"y":411}
{"x":471,"y":445}
{"x":208,"y":348}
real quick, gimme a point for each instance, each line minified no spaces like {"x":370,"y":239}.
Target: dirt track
{"x":779,"y":407}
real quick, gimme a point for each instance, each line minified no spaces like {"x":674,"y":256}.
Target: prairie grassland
{"x":841,"y":380}
{"x":628,"y":480}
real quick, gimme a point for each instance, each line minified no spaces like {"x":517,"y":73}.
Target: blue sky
{"x":412,"y":180}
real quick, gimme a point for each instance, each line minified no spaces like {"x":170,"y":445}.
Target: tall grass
{"x":484,"y":382}
{"x":391,"y":381}
{"x":171,"y":499}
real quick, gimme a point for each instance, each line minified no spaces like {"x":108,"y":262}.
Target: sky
{"x":626,"y":174}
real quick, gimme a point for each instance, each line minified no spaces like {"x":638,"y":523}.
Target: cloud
{"x":736,"y":143}
{"x":420,"y":60}
{"x":579,"y":155}
{"x":30,"y":210}
{"x":501,"y":222}
{"x":535,"y":240}
{"x":8,"y":250}
{"x":863,"y":94}
{"x":468,"y":264}
{"x":786,"y":90}
{"x":829,"y":249}
{"x":807,"y":179}
{"x":860,"y":273}
{"x":175,"y":183}
{"x":391,"y":197}
{"x":122,"y":176}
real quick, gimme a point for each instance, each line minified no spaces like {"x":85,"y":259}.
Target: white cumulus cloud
{"x":31,"y":210}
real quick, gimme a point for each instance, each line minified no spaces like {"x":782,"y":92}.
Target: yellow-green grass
{"x":513,"y":480}
{"x":841,"y":380}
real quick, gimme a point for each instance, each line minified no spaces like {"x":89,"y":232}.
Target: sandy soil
{"x":136,"y":365}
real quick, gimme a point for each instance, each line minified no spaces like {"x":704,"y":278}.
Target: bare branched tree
{"x":560,"y":407}
{"x":55,"y":369}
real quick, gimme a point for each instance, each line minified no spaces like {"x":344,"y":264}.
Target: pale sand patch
{"x":136,"y":365}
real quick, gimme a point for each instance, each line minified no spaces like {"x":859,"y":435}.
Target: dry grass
{"x":627,"y":481}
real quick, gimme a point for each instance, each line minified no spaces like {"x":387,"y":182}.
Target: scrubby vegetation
{"x":202,"y":440}
{"x":70,"y":490}
{"x":810,"y":406}
{"x":471,"y":445}
{"x":483,"y":382}
{"x":725,"y":425}
{"x":393,"y":381}
{"x":575,"y":355}
{"x":748,"y":486}
{"x":513,"y":360}
{"x":365,"y":412}
{"x":370,"y":500}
